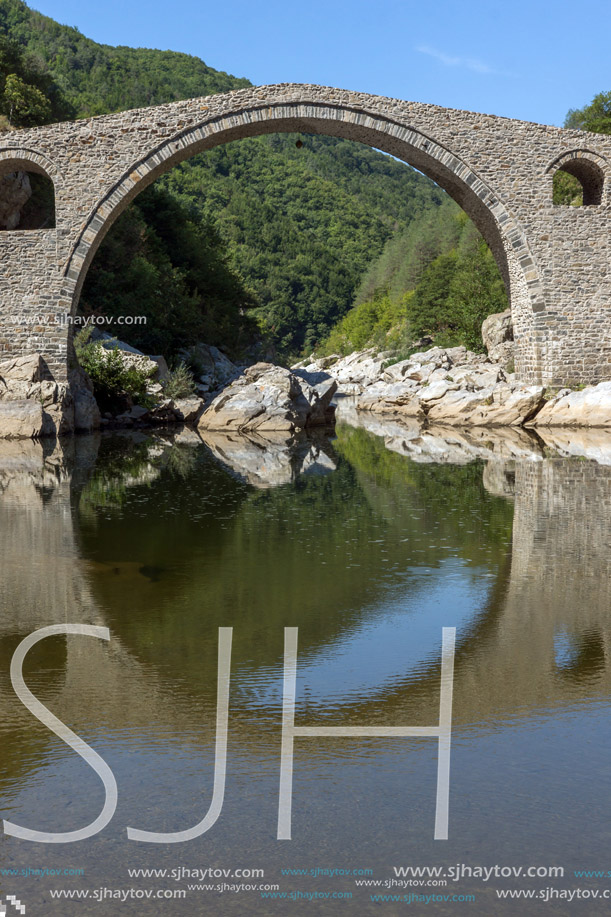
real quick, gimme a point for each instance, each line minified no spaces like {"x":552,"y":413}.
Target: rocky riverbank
{"x":453,"y":386}
{"x":262,"y":398}
{"x":437,"y":386}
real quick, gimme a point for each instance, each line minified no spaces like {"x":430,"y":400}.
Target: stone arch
{"x":500,"y":229}
{"x":23,"y":160}
{"x":30,"y":161}
{"x":588,"y":168}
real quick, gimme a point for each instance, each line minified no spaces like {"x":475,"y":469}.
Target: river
{"x":369,"y":542}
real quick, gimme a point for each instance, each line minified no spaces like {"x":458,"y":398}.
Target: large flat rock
{"x":588,"y":408}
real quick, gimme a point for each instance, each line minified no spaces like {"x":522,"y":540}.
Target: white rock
{"x":270,"y":398}
{"x":21,"y":420}
{"x":588,"y":408}
{"x":500,"y":405}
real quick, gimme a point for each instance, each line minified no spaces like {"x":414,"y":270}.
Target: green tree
{"x":567,"y":189}
{"x":429,"y":309}
{"x":595,"y":117}
{"x":26,"y":104}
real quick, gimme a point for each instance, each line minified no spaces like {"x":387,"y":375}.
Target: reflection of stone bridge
{"x":554,"y":259}
{"x":509,"y":662}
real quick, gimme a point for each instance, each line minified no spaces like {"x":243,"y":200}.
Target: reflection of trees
{"x":321,"y":553}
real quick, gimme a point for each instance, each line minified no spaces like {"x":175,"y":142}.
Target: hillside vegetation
{"x":438,"y":278}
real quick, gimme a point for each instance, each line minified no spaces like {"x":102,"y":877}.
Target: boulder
{"x":58,"y":408}
{"x":21,"y":369}
{"x":213,"y":367}
{"x":269,"y":398}
{"x":319,"y":389}
{"x":188,"y":410}
{"x":21,"y":419}
{"x":15,"y":192}
{"x":401,"y":398}
{"x":135,"y":413}
{"x":358,"y":369}
{"x":155,"y":367}
{"x":46,"y":407}
{"x":496,"y":406}
{"x":86,"y":411}
{"x":497,"y":335}
{"x":588,"y":408}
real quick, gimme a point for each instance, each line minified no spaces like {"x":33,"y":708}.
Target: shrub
{"x":115,"y":384}
{"x":180,"y":382}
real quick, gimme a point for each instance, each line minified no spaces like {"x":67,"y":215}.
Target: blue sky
{"x":530,"y":59}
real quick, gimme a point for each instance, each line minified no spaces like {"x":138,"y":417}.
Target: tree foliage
{"x":302,"y":223}
{"x":595,"y":117}
{"x":164,"y":263}
{"x":452,"y":293}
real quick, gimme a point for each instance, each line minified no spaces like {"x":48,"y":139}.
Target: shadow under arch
{"x":589,"y":168}
{"x":42,"y":204}
{"x":504,"y":235}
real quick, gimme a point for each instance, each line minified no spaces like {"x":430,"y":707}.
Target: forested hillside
{"x":437,"y":278}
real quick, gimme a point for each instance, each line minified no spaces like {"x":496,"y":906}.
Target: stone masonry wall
{"x":554,"y":259}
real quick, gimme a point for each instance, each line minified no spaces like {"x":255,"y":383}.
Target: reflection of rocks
{"x":271,"y":460}
{"x":447,"y":445}
{"x":499,"y":479}
{"x":146,"y":456}
{"x":270,"y":398}
{"x":582,"y":443}
{"x":29,"y":465}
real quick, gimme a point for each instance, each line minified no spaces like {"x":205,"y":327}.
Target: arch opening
{"x":27,"y":196}
{"x":578,"y":181}
{"x":503,"y":235}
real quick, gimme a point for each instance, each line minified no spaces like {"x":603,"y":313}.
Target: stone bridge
{"x":554,"y":259}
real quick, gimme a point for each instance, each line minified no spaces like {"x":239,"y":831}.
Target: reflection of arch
{"x":588,"y":168}
{"x":37,"y":207}
{"x":502,"y":232}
